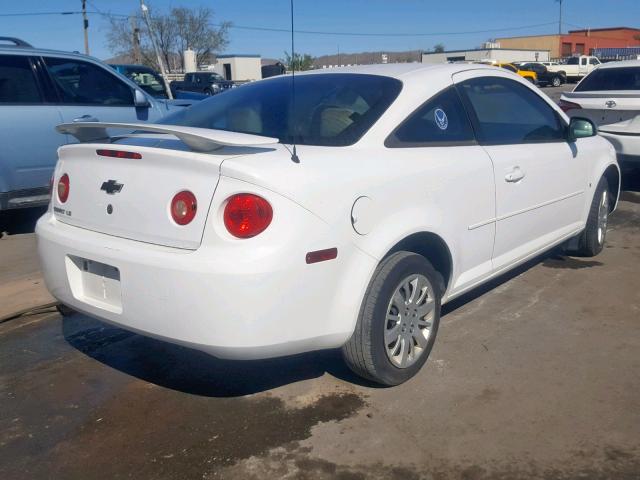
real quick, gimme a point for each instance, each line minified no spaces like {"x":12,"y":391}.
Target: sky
{"x":439,"y":21}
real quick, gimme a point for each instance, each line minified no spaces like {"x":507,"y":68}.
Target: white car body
{"x":615,"y":112}
{"x":483,"y":209}
{"x":578,"y":67}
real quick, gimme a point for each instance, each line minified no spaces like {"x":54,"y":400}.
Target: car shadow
{"x":630,"y":183}
{"x":18,"y":221}
{"x":194,"y":372}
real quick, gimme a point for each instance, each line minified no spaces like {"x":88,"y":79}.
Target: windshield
{"x":214,"y":77}
{"x":619,"y":78}
{"x":333,"y":109}
{"x":148,"y":80}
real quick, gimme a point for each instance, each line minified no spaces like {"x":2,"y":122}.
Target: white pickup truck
{"x":576,"y":67}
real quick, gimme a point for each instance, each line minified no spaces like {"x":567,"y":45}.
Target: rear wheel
{"x":398,"y":320}
{"x":556,"y":81}
{"x":591,"y":241}
{"x":208,"y":91}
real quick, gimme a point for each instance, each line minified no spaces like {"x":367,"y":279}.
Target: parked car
{"x":576,"y":68}
{"x":610,"y":97}
{"x":526,"y":74}
{"x":543,"y":75}
{"x":208,"y":83}
{"x":151,"y":82}
{"x":346,"y":221}
{"x":40,"y":89}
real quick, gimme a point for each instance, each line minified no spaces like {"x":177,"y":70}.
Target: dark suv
{"x":208,"y":83}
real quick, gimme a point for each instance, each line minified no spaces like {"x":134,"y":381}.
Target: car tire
{"x":372,"y":351}
{"x":208,"y":91}
{"x":556,"y":81}
{"x":591,"y":240}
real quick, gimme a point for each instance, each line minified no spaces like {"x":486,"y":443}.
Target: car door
{"x":90,"y":92}
{"x":27,"y":135}
{"x":436,"y":149}
{"x":540,"y":177}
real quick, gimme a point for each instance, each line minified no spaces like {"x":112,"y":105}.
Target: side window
{"x":17,"y":81}
{"x":508,"y":113}
{"x":511,"y":68}
{"x":441,"y":120}
{"x":83,"y":83}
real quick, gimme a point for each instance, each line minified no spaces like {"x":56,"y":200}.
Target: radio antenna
{"x":294,"y":155}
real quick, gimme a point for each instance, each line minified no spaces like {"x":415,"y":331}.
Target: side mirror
{"x":581,"y":128}
{"x":140,"y":99}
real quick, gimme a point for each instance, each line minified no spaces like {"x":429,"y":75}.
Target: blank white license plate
{"x":95,"y":283}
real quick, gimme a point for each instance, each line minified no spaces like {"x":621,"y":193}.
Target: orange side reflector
{"x":322,"y":255}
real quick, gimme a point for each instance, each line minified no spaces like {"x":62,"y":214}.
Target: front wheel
{"x":398,"y":320}
{"x":556,"y":82}
{"x":591,"y":241}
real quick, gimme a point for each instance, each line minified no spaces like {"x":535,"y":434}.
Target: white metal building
{"x":487,"y":54}
{"x":239,"y":68}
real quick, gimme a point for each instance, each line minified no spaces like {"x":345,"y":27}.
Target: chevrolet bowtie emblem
{"x":111,"y":187}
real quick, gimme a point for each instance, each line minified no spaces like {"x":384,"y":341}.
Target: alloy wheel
{"x":409,"y":320}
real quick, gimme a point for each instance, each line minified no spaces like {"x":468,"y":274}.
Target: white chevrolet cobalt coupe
{"x":408,"y":185}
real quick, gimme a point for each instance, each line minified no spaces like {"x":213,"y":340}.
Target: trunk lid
{"x":131,"y":198}
{"x":607,"y":107}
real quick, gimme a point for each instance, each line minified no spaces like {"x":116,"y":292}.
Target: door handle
{"x":86,"y":118}
{"x":514,"y":175}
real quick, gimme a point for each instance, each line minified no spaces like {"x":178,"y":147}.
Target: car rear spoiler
{"x":197,"y":139}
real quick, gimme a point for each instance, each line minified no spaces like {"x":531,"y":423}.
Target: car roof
{"x":400,"y":70}
{"x":131,"y":65}
{"x":13,"y":50}
{"x":620,"y":64}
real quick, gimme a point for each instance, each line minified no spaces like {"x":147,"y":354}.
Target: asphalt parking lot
{"x":534,"y":376}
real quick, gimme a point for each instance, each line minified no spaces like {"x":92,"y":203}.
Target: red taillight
{"x":246,"y":215}
{"x":63,"y":188}
{"x":183,"y":207}
{"x":118,"y":154}
{"x":566,"y":106}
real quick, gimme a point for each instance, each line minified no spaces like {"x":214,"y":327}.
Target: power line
{"x":304,"y":32}
{"x":378,"y":34}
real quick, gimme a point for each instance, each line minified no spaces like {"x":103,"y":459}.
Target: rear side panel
{"x":131,"y":198}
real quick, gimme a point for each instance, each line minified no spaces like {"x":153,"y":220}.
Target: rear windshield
{"x":332,"y":109}
{"x":619,"y":78}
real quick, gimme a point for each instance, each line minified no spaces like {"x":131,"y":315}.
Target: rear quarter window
{"x":17,"y":81}
{"x":441,"y":121}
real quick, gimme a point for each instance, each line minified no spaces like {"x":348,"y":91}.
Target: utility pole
{"x":145,"y":14}
{"x":560,"y":18}
{"x":135,"y":31}
{"x":85,"y":23}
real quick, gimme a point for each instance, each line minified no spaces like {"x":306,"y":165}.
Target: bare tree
{"x":175,"y":31}
{"x":194,"y":31}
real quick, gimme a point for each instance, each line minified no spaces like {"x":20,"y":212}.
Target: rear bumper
{"x":627,"y":146}
{"x":225,"y":304}
{"x":29,"y":197}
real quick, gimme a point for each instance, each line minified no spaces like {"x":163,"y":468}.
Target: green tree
{"x":299,"y":61}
